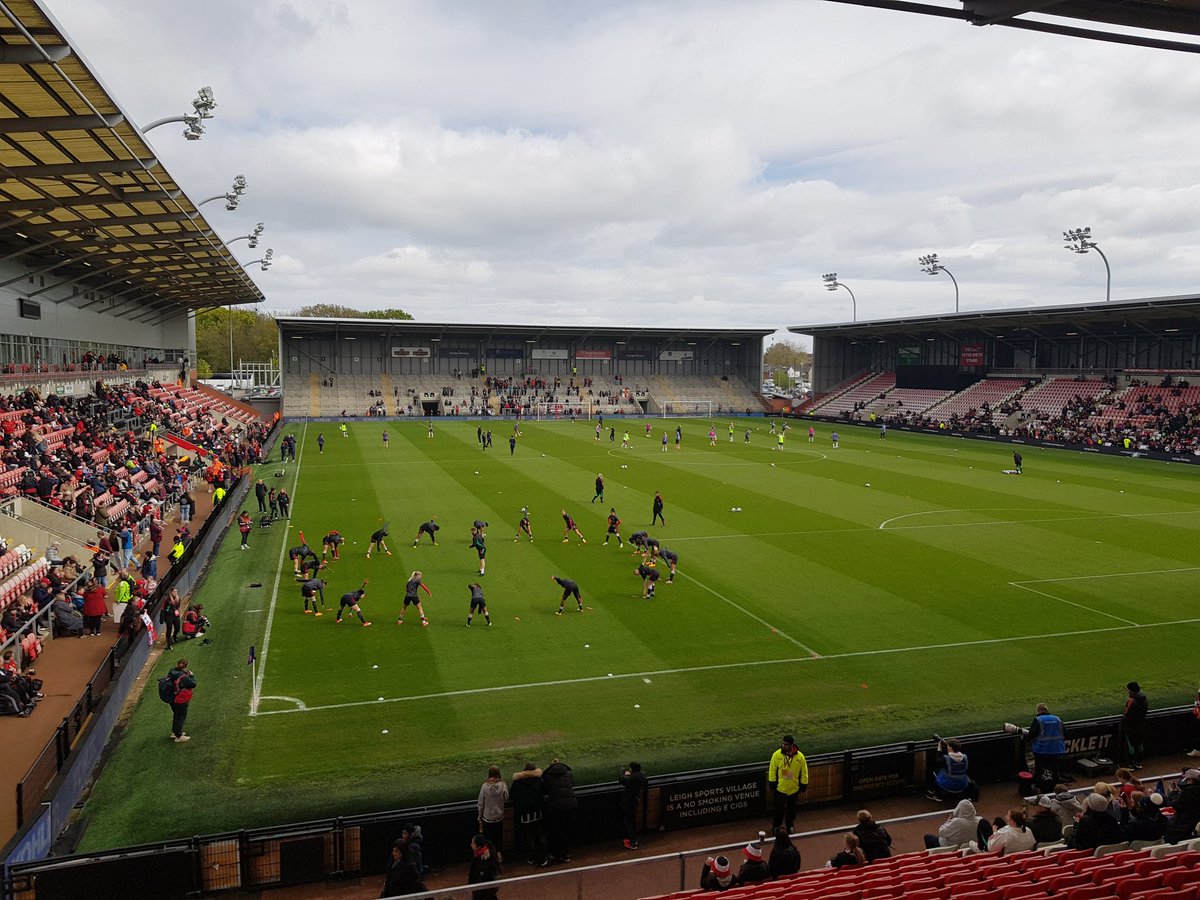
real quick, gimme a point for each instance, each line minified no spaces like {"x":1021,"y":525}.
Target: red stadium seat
{"x":1163,"y":863}
{"x":1016,"y":891}
{"x":942,"y":893}
{"x":1188,"y":893}
{"x":1178,"y":878}
{"x":1094,"y":892}
{"x":1127,"y":887}
{"x":1061,"y":883}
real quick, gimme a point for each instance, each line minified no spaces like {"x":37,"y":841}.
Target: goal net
{"x":689,"y":408}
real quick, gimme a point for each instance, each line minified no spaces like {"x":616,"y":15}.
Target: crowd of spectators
{"x":104,"y":459}
{"x":1143,"y":422}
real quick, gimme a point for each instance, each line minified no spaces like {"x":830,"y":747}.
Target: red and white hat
{"x":753,"y":852}
{"x":720,"y":866}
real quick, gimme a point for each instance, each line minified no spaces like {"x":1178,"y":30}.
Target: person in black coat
{"x":485,"y":867}
{"x":1145,"y":823}
{"x":1095,"y":827}
{"x":873,"y":838}
{"x":529,"y":811}
{"x":403,"y":876}
{"x":558,"y":786}
{"x":633,"y":785}
{"x":785,"y":858}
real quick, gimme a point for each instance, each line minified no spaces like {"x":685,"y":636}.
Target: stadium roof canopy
{"x":83,"y":200}
{"x":1066,"y":17}
{"x":1155,"y":316}
{"x":312,"y":325}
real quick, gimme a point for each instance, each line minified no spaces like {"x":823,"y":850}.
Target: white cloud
{"x":664,"y":162}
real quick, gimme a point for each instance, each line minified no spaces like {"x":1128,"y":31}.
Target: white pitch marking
{"x":1110,"y":575}
{"x":809,"y":650}
{"x":300,"y":707}
{"x":1098,"y":612}
{"x":256,"y":693}
{"x":1177,"y":512}
{"x":738,"y":665}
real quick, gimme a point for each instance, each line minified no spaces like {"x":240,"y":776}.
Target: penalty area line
{"x":689,"y":670}
{"x":809,"y":650}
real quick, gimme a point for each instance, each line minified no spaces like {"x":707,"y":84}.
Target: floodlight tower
{"x":832,"y":284}
{"x":1079,"y":240}
{"x":203,"y":105}
{"x":931,"y":266}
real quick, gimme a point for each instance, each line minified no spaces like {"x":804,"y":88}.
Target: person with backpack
{"x":176,"y":688}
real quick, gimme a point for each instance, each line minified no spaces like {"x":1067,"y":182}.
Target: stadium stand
{"x":988,"y":394}
{"x":855,"y":395}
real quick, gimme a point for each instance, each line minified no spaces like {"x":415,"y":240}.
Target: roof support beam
{"x":42,"y":124}
{"x":75,"y":169}
{"x":28,"y":54}
{"x":127,"y":198}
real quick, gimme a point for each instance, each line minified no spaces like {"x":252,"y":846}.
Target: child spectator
{"x":850,"y":855}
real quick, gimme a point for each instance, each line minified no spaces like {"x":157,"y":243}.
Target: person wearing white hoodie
{"x":492,"y":797}
{"x":959,"y":830}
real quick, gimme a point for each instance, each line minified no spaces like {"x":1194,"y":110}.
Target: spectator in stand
{"x":170,"y":617}
{"x":963,"y":826}
{"x":493,"y":795}
{"x":485,"y":867}
{"x":850,"y":854}
{"x":1065,"y":805}
{"x":67,"y":620}
{"x":403,"y":875}
{"x":1042,"y":821}
{"x":1013,"y":837}
{"x":529,"y":809}
{"x":754,"y":870}
{"x":1095,"y":827}
{"x":150,"y":567}
{"x":1185,"y":798}
{"x":873,"y":838}
{"x":785,"y":858}
{"x":187,"y":507}
{"x":95,"y":606}
{"x":559,"y":784}
{"x":633,"y":785}
{"x":717,"y":875}
{"x":100,"y":562}
{"x":1146,"y":822}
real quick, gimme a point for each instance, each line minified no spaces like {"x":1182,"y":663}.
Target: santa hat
{"x":753,"y":852}
{"x":720,"y":867}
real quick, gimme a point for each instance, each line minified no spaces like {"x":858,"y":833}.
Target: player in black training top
{"x":649,"y":575}
{"x":524,"y":525}
{"x":350,"y":602}
{"x":332,"y":544}
{"x":569,"y":526}
{"x":478,"y":546}
{"x":599,"y":488}
{"x":570,"y":589}
{"x":638,"y":539}
{"x":412,"y":598}
{"x":430,"y":528}
{"x":672,"y":559}
{"x":614,"y":527}
{"x":303,"y":558}
{"x":310,"y":590}
{"x":658,"y":509}
{"x":477,"y":603}
{"x":378,"y":541}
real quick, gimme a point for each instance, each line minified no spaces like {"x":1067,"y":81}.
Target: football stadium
{"x":272,"y":641}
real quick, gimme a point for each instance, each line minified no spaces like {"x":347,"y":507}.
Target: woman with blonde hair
{"x":850,"y":855}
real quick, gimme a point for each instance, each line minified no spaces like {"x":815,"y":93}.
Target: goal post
{"x":690,"y":409}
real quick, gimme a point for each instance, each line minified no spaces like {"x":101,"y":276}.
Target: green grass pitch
{"x":878,"y":591}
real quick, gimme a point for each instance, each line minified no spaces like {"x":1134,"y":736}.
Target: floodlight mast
{"x":832,"y":284}
{"x":252,"y":237}
{"x":232,"y":197}
{"x":203,"y":105}
{"x":1079,"y":240}
{"x":931,"y":266}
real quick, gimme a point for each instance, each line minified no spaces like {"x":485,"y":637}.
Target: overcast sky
{"x":663,"y":163}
